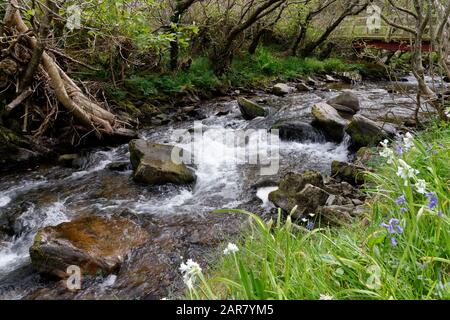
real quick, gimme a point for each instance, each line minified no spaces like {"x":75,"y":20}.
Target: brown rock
{"x":92,"y":243}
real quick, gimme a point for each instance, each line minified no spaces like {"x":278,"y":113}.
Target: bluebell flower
{"x":433,"y":201}
{"x":403,"y":210}
{"x":399,"y":150}
{"x":393,"y":242}
{"x":310,"y":225}
{"x":440,"y":214}
{"x":401,"y":200}
{"x":393,"y":227}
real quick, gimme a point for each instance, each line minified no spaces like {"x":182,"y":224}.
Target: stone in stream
{"x":281,"y":89}
{"x":346,"y":102}
{"x":310,"y":192}
{"x":153,"y":163}
{"x":69,"y":160}
{"x":365,"y":132}
{"x":92,"y":243}
{"x":348,"y":172}
{"x":293,"y":130}
{"x":328,"y":120}
{"x":291,"y":188}
{"x":303,"y":87}
{"x":119,"y":166}
{"x":350,"y":76}
{"x":250,"y":110}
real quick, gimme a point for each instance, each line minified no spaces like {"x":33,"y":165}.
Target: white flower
{"x":421,"y":186}
{"x":408,"y":141}
{"x":190,"y":270}
{"x":385,"y":143}
{"x":387,"y":152}
{"x":231,"y":248}
{"x":326,"y":297}
{"x":405,"y":171}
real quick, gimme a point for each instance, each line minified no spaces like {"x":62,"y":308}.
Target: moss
{"x":250,"y":109}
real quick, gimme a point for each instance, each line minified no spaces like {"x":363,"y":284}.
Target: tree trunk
{"x":255,"y":42}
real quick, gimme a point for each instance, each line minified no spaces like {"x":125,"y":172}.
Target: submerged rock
{"x":365,"y":132}
{"x":298,"y":131}
{"x":281,"y":89}
{"x":327,"y":119}
{"x":250,"y":110}
{"x":346,"y":102}
{"x":152,"y":163}
{"x":92,"y":243}
{"x":119,"y":166}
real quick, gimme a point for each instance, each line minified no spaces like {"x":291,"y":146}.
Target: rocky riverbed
{"x":131,"y":231}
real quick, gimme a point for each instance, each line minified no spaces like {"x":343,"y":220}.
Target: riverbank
{"x":398,"y":250}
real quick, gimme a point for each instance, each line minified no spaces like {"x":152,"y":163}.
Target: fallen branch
{"x":18,"y":100}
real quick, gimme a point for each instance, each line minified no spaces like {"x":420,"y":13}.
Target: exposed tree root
{"x":87,"y":112}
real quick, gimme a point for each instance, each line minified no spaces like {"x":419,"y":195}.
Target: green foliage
{"x":266,"y":65}
{"x":246,"y":71}
{"x":281,"y":260}
{"x":199,"y":77}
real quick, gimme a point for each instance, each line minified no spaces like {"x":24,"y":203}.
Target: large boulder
{"x":250,"y":110}
{"x":365,"y":132}
{"x":281,"y":89}
{"x":347,"y":103}
{"x":152,"y":163}
{"x":328,"y":120}
{"x":92,"y":243}
{"x":298,"y":131}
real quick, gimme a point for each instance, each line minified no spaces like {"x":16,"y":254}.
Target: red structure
{"x":392,"y":45}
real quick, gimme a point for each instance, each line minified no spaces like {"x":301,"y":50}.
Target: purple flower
{"x":433,"y":201}
{"x":393,"y":242}
{"x":403,"y":210}
{"x":310,"y":225}
{"x":393,"y":227}
{"x":399,"y":150}
{"x":440,"y":214}
{"x":401,"y":200}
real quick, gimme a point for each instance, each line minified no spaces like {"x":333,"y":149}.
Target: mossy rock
{"x":348,"y":172}
{"x":250,"y":110}
{"x":365,"y":132}
{"x":291,"y":185}
{"x":328,"y":120}
{"x":153,"y":164}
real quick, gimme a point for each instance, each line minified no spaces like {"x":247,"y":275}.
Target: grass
{"x":282,"y":260}
{"x":246,"y":70}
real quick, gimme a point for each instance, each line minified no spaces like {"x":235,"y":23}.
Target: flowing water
{"x":49,"y":195}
